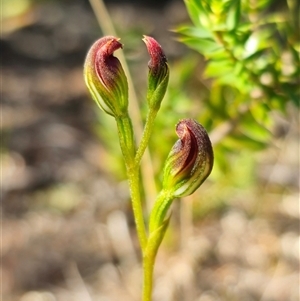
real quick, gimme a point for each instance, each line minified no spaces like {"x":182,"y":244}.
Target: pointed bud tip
{"x":155,"y":51}
{"x":158,"y":76}
{"x":114,"y":44}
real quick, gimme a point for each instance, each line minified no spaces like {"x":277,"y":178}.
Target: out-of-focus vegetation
{"x":246,"y":75}
{"x":252,"y":52}
{"x":247,"y":70}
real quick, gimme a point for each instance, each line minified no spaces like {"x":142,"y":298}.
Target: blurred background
{"x":67,"y":227}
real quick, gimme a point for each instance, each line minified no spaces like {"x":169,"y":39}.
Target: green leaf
{"x":259,"y":40}
{"x":256,"y":131}
{"x":218,"y":68}
{"x":233,"y":15}
{"x":193,"y":12}
{"x":238,"y":142}
{"x":203,"y":46}
{"x":218,"y":55}
{"x":260,"y":112}
{"x":251,"y":57}
{"x":198,"y":13}
{"x":195,"y":32}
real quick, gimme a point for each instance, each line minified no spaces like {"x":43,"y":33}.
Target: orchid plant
{"x":189,"y":162}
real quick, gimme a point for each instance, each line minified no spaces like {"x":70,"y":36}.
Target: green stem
{"x":132,"y":162}
{"x":126,"y":138}
{"x":148,"y":267}
{"x":158,"y":225}
{"x":146,"y":135}
{"x":135,"y":192}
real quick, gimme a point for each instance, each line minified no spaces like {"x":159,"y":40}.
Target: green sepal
{"x":157,"y":89}
{"x":159,"y":211}
{"x":155,"y":238}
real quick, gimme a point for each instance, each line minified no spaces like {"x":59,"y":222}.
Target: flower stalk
{"x":189,"y":162}
{"x":158,"y":78}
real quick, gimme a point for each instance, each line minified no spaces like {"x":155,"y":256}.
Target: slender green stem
{"x":133,"y":173}
{"x":125,"y":132}
{"x":158,"y":225}
{"x":148,"y":267}
{"x":135,"y":192}
{"x":146,"y":135}
{"x":126,"y":138}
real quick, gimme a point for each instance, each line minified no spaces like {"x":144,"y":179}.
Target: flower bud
{"x":190,"y":161}
{"x":105,"y":77}
{"x":158,"y":76}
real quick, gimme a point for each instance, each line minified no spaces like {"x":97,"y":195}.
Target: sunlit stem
{"x":134,"y":185}
{"x":158,"y":226}
{"x":126,"y":139}
{"x":146,"y":135}
{"x":148,"y":267}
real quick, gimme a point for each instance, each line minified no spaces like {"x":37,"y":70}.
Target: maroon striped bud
{"x":105,"y":77}
{"x":190,"y":161}
{"x":158,"y":76}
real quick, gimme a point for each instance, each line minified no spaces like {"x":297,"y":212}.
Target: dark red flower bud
{"x":190,"y":160}
{"x":158,"y":76}
{"x":105,"y":77}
